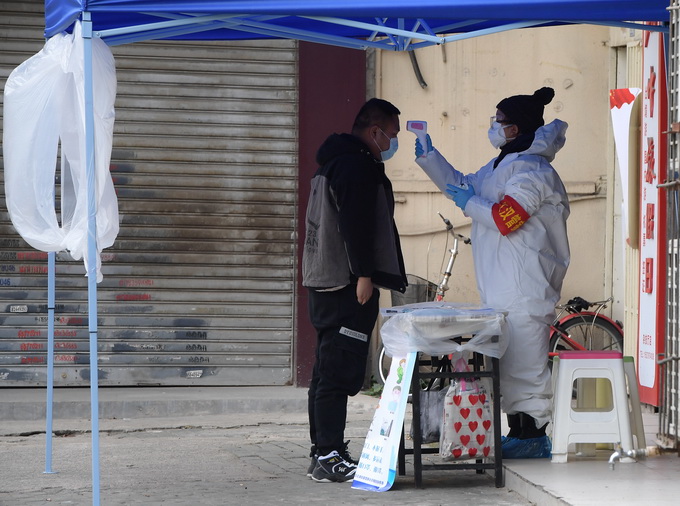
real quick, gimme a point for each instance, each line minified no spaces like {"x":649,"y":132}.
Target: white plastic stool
{"x":594,"y":425}
{"x":636,"y":423}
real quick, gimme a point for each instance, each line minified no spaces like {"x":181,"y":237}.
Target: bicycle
{"x":443,"y":286}
{"x":575,"y":328}
{"x":428,"y":294}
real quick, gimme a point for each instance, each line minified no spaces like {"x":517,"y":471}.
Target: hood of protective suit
{"x":548,"y":140}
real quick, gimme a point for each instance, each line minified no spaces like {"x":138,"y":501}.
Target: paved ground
{"x":242,"y":458}
{"x":249,"y":445}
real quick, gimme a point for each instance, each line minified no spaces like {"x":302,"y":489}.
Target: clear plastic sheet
{"x":44,"y":109}
{"x":431,"y":327}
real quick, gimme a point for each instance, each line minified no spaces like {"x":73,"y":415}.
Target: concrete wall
{"x":465,"y":80}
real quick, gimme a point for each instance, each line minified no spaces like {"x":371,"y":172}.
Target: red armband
{"x":508,"y":215}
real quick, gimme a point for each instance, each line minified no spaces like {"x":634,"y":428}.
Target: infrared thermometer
{"x":420,"y":129}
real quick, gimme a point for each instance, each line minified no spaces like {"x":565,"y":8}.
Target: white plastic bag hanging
{"x":43,"y":106}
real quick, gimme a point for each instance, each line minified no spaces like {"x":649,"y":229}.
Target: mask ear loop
{"x":383,"y":132}
{"x":376,"y":142}
{"x":376,"y":145}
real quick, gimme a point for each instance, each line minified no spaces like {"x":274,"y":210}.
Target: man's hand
{"x":364,"y":290}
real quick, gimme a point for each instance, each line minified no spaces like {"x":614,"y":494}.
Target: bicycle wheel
{"x":585,"y":332}
{"x":384,"y":364}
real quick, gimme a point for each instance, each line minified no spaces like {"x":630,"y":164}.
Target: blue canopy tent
{"x":395,"y":25}
{"x":404,"y":23}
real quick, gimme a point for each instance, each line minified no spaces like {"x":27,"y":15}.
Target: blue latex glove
{"x":459,"y":195}
{"x":419,"y":147}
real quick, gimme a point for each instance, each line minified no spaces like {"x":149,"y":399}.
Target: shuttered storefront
{"x":198,"y":289}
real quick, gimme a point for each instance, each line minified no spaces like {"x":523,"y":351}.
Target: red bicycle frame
{"x":556,"y":328}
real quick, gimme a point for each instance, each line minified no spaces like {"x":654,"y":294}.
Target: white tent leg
{"x":91,"y":251}
{"x":51,"y":267}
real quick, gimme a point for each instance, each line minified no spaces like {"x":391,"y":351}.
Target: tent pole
{"x":91,"y":250}
{"x":51,"y":267}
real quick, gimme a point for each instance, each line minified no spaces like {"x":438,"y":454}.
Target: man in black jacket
{"x":351,"y":248}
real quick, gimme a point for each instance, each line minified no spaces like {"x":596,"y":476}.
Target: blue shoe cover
{"x":536,"y":448}
{"x":507,"y":439}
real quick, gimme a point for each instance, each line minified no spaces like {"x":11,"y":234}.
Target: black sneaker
{"x":312,"y":466}
{"x":344,"y":453}
{"x":333,"y":468}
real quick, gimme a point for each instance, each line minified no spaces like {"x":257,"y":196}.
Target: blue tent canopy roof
{"x":390,"y":24}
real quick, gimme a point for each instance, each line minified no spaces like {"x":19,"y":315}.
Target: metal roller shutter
{"x":198,"y":288}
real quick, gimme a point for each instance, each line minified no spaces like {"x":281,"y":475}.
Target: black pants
{"x":344,"y":330}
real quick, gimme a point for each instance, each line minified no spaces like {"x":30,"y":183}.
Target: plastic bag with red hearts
{"x":467,"y":428}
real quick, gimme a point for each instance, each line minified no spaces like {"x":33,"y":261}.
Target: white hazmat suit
{"x":521,"y":254}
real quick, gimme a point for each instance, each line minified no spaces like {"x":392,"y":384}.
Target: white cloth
{"x":44,"y":109}
{"x":521,"y":272}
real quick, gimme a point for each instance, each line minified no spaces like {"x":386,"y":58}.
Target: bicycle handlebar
{"x":449,"y":228}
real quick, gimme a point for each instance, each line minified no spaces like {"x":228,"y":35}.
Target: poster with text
{"x":377,"y":467}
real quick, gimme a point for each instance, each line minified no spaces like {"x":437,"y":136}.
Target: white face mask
{"x":496,"y":135}
{"x":394,"y":145}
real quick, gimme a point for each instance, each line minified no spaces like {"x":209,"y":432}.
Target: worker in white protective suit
{"x":519,"y":209}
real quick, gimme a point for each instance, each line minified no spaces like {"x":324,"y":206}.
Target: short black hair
{"x":374,"y":112}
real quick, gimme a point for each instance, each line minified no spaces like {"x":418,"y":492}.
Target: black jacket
{"x":350,"y":229}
